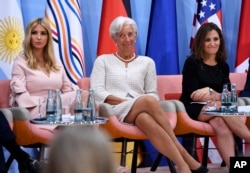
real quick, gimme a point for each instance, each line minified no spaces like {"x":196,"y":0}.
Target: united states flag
{"x":207,"y":11}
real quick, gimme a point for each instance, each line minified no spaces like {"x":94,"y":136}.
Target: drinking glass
{"x":211,"y":103}
{"x":66,"y":115}
{"x":41,"y":101}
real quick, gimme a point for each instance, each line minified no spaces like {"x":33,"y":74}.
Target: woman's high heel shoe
{"x":201,"y":169}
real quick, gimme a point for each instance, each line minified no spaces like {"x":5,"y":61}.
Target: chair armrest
{"x":105,"y":110}
{"x":242,"y":101}
{"x":26,"y":132}
{"x":117,"y":129}
{"x":8,"y":114}
{"x":186,"y":125}
{"x":20,"y":113}
{"x":172,"y":96}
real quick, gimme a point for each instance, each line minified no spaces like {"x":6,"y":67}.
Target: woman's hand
{"x":200,"y":94}
{"x":114,"y":100}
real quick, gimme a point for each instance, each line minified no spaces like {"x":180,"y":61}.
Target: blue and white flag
{"x":11,"y":35}
{"x":65,"y":20}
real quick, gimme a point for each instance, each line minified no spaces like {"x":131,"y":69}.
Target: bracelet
{"x":210,"y":91}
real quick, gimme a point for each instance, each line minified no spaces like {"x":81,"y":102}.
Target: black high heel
{"x":201,"y":169}
{"x":32,"y":166}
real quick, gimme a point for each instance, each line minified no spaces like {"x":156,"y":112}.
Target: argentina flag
{"x":11,"y":35}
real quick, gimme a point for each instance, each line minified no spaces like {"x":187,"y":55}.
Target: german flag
{"x":110,"y":10}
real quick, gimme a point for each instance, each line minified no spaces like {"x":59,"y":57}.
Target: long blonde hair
{"x":49,"y":58}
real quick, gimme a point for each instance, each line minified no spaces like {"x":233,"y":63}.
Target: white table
{"x":242,"y":111}
{"x":71,"y":122}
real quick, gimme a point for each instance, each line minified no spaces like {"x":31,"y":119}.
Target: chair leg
{"x":238,"y":146}
{"x":156,"y":162}
{"x":123,"y":152}
{"x":171,"y":166}
{"x":193,"y":150}
{"x":42,"y":148}
{"x":135,"y":156}
{"x":9,"y":162}
{"x":189,"y":143}
{"x":205,"y":151}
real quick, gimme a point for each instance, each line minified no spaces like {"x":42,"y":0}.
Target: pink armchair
{"x":126,"y":132}
{"x":171,"y":84}
{"x":169,"y":87}
{"x":27,"y":134}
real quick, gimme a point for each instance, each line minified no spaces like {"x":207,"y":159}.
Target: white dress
{"x":110,"y":77}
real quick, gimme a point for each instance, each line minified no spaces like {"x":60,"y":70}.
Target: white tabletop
{"x":70,"y":121}
{"x":242,"y":111}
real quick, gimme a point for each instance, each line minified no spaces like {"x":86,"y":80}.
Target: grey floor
{"x":213,"y":168}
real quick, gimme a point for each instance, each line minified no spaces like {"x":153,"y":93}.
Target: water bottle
{"x":225,"y":99}
{"x":50,"y":107}
{"x":78,"y":109}
{"x":58,"y":104}
{"x":91,"y":105}
{"x":234,"y":99}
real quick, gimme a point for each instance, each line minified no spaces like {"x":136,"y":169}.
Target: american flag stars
{"x":207,"y":8}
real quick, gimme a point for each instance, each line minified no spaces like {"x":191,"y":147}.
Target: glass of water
{"x":41,"y":101}
{"x":211,"y":103}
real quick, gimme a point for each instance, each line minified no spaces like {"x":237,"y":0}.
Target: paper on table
{"x":244,"y":108}
{"x":202,"y":103}
{"x":52,"y":127}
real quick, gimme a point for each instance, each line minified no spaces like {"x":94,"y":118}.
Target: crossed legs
{"x":224,"y":128}
{"x":149,"y":116}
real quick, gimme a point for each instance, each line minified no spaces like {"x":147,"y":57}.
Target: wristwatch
{"x":210,"y":91}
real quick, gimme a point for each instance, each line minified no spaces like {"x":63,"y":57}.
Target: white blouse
{"x":110,"y":77}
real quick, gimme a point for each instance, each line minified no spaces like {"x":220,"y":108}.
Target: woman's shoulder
{"x":224,"y":66}
{"x":145,"y":58}
{"x":20,"y":59}
{"x":105,"y":56}
{"x":191,"y":59}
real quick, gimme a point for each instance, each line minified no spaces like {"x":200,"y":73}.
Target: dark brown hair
{"x":200,"y":37}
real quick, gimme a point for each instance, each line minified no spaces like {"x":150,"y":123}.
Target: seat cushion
{"x":5,"y":92}
{"x":172,"y":96}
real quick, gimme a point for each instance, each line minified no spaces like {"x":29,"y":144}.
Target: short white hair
{"x":120,"y":21}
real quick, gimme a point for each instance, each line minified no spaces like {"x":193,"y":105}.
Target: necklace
{"x":125,"y":60}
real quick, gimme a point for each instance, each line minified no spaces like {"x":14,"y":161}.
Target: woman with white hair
{"x":127,"y":81}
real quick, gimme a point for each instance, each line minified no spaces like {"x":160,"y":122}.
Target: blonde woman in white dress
{"x":128,"y":82}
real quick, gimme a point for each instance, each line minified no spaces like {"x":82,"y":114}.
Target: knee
{"x":149,"y":100}
{"x":145,"y":120}
{"x":220,"y":126}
